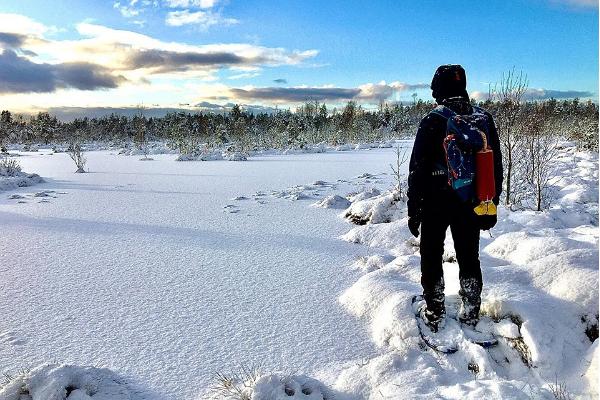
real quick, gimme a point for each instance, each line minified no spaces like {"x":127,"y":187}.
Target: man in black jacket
{"x":434,"y":206}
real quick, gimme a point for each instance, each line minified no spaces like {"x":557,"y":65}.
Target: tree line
{"x":310,"y":124}
{"x":530,"y":131}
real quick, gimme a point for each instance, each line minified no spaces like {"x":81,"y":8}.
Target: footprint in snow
{"x":240,"y":198}
{"x":11,"y":338}
{"x":44,"y":193}
{"x":15,"y":196}
{"x":231,"y":208}
{"x":365,"y":175}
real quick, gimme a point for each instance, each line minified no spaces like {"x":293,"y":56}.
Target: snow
{"x":333,"y":201}
{"x":376,"y":209}
{"x":137,"y":268}
{"x":14,"y":177}
{"x":167,"y":273}
{"x":540,"y":295}
{"x":68,"y":382}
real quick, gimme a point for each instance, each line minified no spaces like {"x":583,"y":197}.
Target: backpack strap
{"x":443,"y":111}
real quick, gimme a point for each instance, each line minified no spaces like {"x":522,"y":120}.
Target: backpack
{"x":469,"y":160}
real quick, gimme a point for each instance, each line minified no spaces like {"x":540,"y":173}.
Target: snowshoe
{"x":480,"y":337}
{"x":474,"y":331}
{"x":448,"y":335}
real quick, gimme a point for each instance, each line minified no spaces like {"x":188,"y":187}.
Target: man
{"x":433,"y":205}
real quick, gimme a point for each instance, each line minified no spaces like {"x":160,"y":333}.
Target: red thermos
{"x":485,"y":184}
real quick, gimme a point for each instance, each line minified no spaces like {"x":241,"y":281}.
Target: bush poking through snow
{"x":250,"y":383}
{"x":559,"y":391}
{"x":12,"y":177}
{"x":236,"y":386}
{"x":401,"y":159}
{"x":76,"y":154}
{"x":9,"y":166}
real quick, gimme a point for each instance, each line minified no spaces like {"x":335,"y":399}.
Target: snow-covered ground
{"x":167,"y":273}
{"x":12,"y":177}
{"x":152,"y":270}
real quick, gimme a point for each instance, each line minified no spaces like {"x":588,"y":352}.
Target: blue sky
{"x":280,"y":52}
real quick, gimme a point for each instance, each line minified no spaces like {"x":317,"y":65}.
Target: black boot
{"x":470,"y":293}
{"x":433,"y":320}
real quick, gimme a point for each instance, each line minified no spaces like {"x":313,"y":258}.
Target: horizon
{"x":200,"y":55}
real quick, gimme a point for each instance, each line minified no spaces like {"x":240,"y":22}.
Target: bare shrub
{"x":543,"y":149}
{"x":559,"y":390}
{"x":9,"y":166}
{"x":509,"y":94}
{"x":401,"y":159}
{"x":237,"y":385}
{"x":76,"y":153}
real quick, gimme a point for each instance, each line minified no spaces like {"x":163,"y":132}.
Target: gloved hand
{"x":413,"y":226}
{"x":487,"y":222}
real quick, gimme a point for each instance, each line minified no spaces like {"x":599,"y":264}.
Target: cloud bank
{"x":19,"y":75}
{"x":543,"y":94}
{"x":370,"y":93}
{"x":105,"y":58}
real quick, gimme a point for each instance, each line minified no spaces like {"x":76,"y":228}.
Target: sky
{"x":79,"y":57}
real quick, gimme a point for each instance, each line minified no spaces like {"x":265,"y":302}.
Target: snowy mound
{"x":281,"y":387}
{"x":376,"y":210}
{"x":252,"y":385}
{"x":151,"y":148}
{"x":68,"y":382}
{"x":317,"y":148}
{"x":11,"y":176}
{"x":236,"y":156}
{"x":365,"y":194}
{"x":214,"y":155}
{"x":344,"y":147}
{"x":333,"y":201}
{"x":205,"y":155}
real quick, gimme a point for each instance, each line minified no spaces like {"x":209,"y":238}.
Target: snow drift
{"x":70,"y":382}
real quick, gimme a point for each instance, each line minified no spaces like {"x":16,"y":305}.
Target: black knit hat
{"x":449,"y":81}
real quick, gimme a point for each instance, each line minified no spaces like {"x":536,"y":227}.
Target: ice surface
{"x":138,"y":269}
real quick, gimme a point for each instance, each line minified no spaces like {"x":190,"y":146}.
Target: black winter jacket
{"x":428,"y":169}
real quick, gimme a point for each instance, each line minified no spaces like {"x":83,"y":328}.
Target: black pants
{"x":438,"y":214}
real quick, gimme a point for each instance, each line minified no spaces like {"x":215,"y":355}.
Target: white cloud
{"x":382,"y":91}
{"x":245,"y":75}
{"x":202,"y":19}
{"x":191,"y":3}
{"x":16,"y":23}
{"x":127,"y":58}
{"x":128,"y":11}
